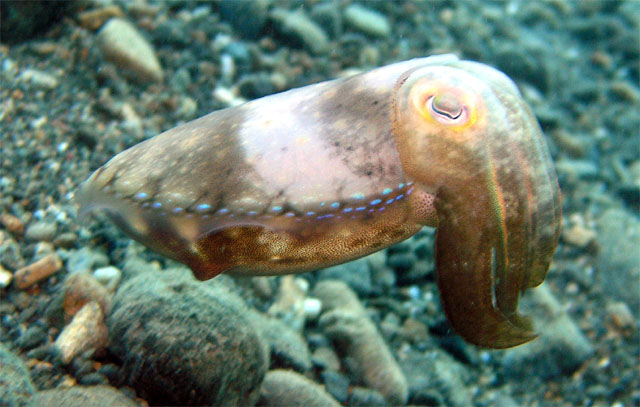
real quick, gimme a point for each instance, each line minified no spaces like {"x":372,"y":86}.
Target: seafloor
{"x":89,"y":317}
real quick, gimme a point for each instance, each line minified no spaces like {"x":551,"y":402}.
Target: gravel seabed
{"x":66,"y":107}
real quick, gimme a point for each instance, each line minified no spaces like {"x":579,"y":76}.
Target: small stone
{"x":248,"y":17}
{"x":41,"y":231}
{"x":620,"y":315}
{"x":39,"y":79}
{"x":108,"y":276}
{"x":361,"y":396}
{"x":83,"y":396}
{"x":301,"y":29}
{"x":312,"y":308}
{"x":288,"y":388}
{"x":12,"y":223}
{"x":346,"y":321}
{"x":288,"y":348}
{"x":336,"y":384}
{"x":579,"y":236}
{"x":326,"y":359}
{"x":94,"y":19}
{"x":85,"y":260}
{"x":16,"y":387}
{"x":367,"y":21}
{"x":32,"y":337}
{"x":289,"y":302}
{"x":122,"y":44}
{"x":81,"y":289}
{"x":35,"y":272}
{"x":5,"y":277}
{"x":86,"y":331}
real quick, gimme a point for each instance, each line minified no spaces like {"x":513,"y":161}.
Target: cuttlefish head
{"x":466,"y":137}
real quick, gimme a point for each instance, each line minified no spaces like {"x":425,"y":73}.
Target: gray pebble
{"x":439,"y":375}
{"x":559,"y":350}
{"x":39,"y":79}
{"x":288,"y":388}
{"x":299,"y":28}
{"x":328,"y":16}
{"x":16,"y":388}
{"x":85,"y":260}
{"x":32,"y":337}
{"x":41,"y":231}
{"x":247,"y":17}
{"x":355,"y":274}
{"x":336,"y":384}
{"x":367,"y":21}
{"x":186,"y":342}
{"x":361,"y":396}
{"x":83,"y":396}
{"x":618,"y":260}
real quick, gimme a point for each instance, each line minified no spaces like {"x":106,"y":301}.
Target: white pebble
{"x":367,"y":21}
{"x":5,"y":277}
{"x":108,"y":276}
{"x":312,"y":307}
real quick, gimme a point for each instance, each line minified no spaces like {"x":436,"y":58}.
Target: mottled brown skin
{"x":327,"y":173}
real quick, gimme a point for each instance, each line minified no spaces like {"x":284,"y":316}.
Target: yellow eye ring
{"x":452,"y":108}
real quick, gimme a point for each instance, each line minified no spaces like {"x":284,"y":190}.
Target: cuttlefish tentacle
{"x":327,"y":173}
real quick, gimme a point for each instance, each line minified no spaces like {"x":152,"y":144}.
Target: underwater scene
{"x":320,"y":203}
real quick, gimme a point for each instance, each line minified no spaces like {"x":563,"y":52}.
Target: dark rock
{"x":361,"y":396}
{"x":336,"y":384}
{"x":32,"y":337}
{"x":247,"y":17}
{"x":256,"y":86}
{"x":438,"y":376}
{"x":80,"y":396}
{"x":299,"y":29}
{"x":22,"y":20}
{"x":186,"y":342}
{"x":561,"y":347}
{"x":356,"y":274}
{"x":288,"y":388}
{"x":288,"y":348}
{"x":328,"y":15}
{"x":618,"y":260}
{"x":16,"y":388}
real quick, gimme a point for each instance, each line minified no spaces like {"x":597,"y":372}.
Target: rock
{"x":347,"y":323}
{"x":80,"y":289}
{"x":361,"y":396}
{"x":336,"y":384}
{"x":186,"y":342}
{"x":559,"y":350}
{"x":34,"y":335}
{"x":618,"y":261}
{"x":83,"y":396}
{"x":367,"y":21}
{"x":22,"y":20}
{"x":37,"y":271}
{"x":10,"y":256}
{"x":356,"y":274}
{"x":122,"y":44}
{"x":299,"y":28}
{"x":5,"y":277}
{"x":108,"y":276}
{"x":288,"y":347}
{"x":12,"y":223}
{"x":85,"y":259}
{"x":247,"y":17}
{"x":287,"y":388}
{"x":86,"y":331}
{"x":39,"y":79}
{"x":328,"y":15}
{"x":94,"y":19}
{"x":16,"y":388}
{"x":290,"y":300}
{"x":325,"y":358}
{"x":436,"y":375}
{"x":41,"y":231}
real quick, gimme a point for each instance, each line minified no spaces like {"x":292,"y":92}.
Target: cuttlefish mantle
{"x":330,"y":172}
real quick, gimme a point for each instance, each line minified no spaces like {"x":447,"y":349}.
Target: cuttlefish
{"x":331,"y":172}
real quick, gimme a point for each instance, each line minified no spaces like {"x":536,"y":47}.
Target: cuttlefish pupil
{"x":319,"y":175}
{"x":446,"y":108}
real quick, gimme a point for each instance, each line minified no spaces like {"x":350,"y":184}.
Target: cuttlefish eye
{"x":447,"y":108}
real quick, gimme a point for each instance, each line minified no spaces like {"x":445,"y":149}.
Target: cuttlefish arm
{"x":465,"y":134}
{"x":327,"y":173}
